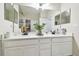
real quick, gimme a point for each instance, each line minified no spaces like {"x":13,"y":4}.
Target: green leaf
{"x":39,"y":27}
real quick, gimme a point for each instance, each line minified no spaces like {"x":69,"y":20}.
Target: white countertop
{"x":36,"y":36}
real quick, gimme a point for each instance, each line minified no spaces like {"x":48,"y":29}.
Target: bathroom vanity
{"x":31,"y":45}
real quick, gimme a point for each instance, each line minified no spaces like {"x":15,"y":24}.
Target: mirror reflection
{"x":65,"y":17}
{"x":10,"y":13}
{"x":39,"y":13}
{"x":27,"y":17}
{"x":24,"y":15}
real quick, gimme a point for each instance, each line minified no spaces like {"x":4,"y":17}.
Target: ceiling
{"x":28,"y":12}
{"x":52,"y":6}
{"x":29,"y":9}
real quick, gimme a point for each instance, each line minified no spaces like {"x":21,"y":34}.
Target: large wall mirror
{"x":63,"y":17}
{"x":10,"y":13}
{"x":31,"y":13}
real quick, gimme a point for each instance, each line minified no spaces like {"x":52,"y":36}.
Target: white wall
{"x":73,"y":26}
{"x":54,"y":27}
{"x":2,"y":25}
{"x":6,"y":26}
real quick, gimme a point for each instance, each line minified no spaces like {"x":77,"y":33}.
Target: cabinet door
{"x":31,"y":51}
{"x":14,"y":51}
{"x":20,"y":42}
{"x":45,"y":47}
{"x":61,"y":47}
{"x":45,"y":52}
{"x":22,"y":51}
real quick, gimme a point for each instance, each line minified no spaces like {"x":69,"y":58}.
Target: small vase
{"x":39,"y":33}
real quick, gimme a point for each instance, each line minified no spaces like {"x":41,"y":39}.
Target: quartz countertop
{"x":29,"y":36}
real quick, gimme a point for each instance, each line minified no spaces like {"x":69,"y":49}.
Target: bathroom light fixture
{"x":45,"y":6}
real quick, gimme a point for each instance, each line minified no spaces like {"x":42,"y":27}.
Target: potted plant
{"x":39,"y":28}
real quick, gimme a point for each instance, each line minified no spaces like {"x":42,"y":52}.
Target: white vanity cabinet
{"x":24,"y":47}
{"x":62,"y":46}
{"x":38,"y":46}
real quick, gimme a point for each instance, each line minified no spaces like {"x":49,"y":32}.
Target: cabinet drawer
{"x":19,"y":42}
{"x":44,"y":46}
{"x":31,"y":51}
{"x":16,"y":51}
{"x":67,"y":53}
{"x":62,"y":39}
{"x":45,"y":40}
{"x":22,"y":51}
{"x":62,"y":49}
{"x":62,"y":53}
{"x":46,"y":52}
{"x":62,"y":46}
